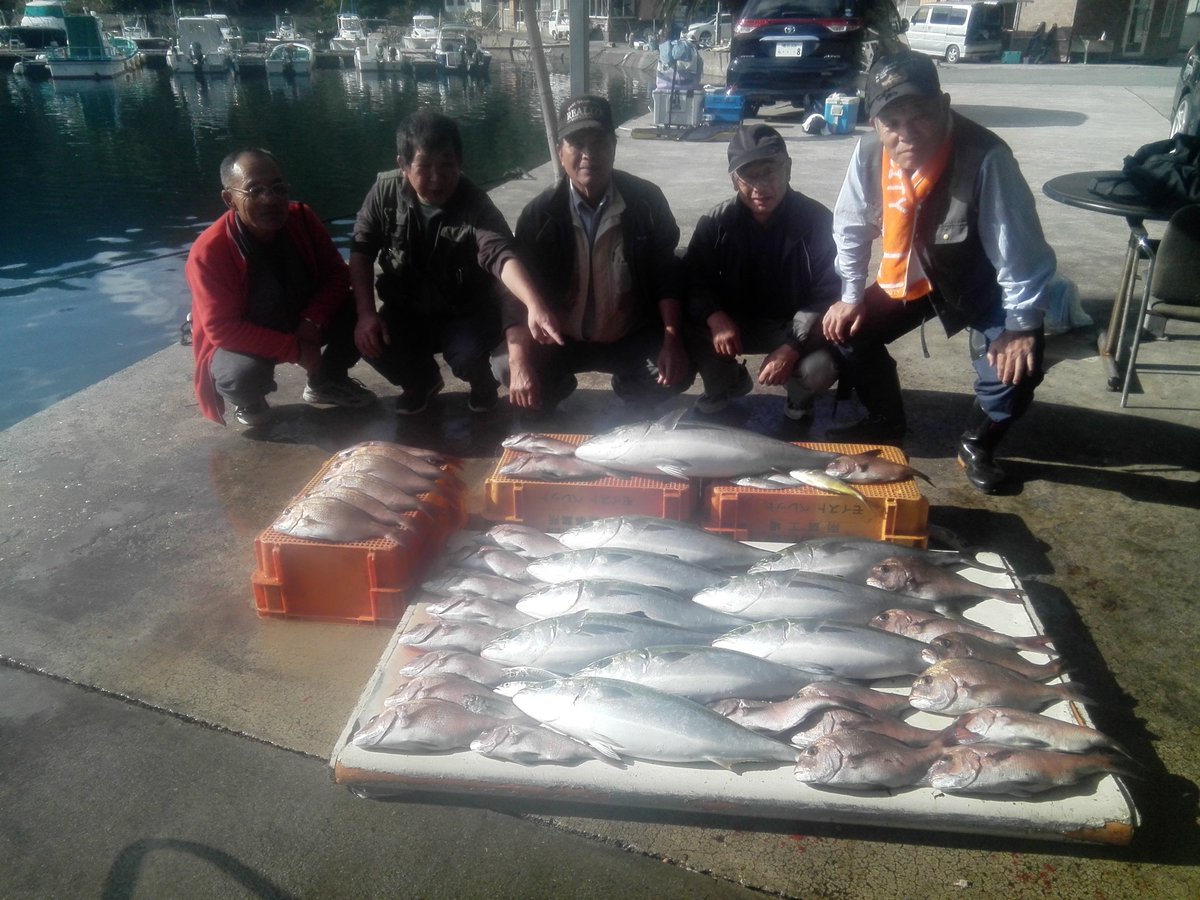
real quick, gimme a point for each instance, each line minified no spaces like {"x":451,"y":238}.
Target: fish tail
{"x":1039,"y":643}
{"x":1070,"y":691}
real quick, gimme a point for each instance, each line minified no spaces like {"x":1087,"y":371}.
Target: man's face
{"x":762,"y":185}
{"x":259,"y":195}
{"x":434,"y":175}
{"x":587,"y":158}
{"x":912,"y":128}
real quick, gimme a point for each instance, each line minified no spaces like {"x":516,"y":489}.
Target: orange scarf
{"x":902,"y":196}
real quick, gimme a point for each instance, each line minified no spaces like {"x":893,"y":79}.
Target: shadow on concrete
{"x":122,"y":880}
{"x":1020,"y":116}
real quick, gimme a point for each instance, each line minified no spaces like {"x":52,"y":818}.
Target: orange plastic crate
{"x":558,"y":505}
{"x":893,"y":512}
{"x":361,"y":581}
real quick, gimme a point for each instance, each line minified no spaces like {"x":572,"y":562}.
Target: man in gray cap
{"x":600,"y":247}
{"x":760,"y":277}
{"x":960,"y":240}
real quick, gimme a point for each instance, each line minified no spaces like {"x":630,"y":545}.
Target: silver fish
{"x":529,"y":442}
{"x":455,"y":662}
{"x":624,"y":565}
{"x":383,"y":491}
{"x":622,"y":719}
{"x":959,"y":645}
{"x":401,"y":451}
{"x":491,"y":559}
{"x":758,"y":482}
{"x":480,"y":610}
{"x":425,"y":726}
{"x":1010,"y":771}
{"x":822,"y":482}
{"x":376,"y":509}
{"x":842,"y":650}
{"x":703,"y":674}
{"x":955,"y":686}
{"x":533,"y":745}
{"x":464,"y":581}
{"x":871,"y":468}
{"x":329,"y":519}
{"x":863,"y":761}
{"x":1021,"y":728}
{"x":853,"y":557}
{"x":667,"y":537}
{"x":916,"y":578}
{"x":517,"y":678}
{"x":685,"y":449}
{"x":800,"y":594}
{"x":838,"y":719}
{"x":378,"y":450}
{"x":395,"y":473}
{"x":456,"y":689}
{"x":524,"y":541}
{"x":924,"y":626}
{"x":622,"y":597}
{"x":565,"y":644}
{"x":547,"y":467}
{"x":439,"y":635}
{"x":817,"y":697}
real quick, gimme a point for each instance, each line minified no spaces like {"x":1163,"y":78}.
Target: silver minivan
{"x":951,"y":31}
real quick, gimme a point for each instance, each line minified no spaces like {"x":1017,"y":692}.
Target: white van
{"x":951,"y":31}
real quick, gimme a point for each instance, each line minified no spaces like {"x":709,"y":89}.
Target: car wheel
{"x":1182,"y":122}
{"x":705,"y":40}
{"x":750,"y":110}
{"x":953,"y":54}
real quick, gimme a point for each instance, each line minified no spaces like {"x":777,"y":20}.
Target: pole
{"x":537,"y":54}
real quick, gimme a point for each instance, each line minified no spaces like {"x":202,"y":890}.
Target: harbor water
{"x":108,"y":183}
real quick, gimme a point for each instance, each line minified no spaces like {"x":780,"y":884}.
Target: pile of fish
{"x":678,"y":449}
{"x":636,"y":638}
{"x":377,"y":489}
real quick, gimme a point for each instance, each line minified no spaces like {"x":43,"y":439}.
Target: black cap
{"x":901,"y":75}
{"x":750,"y":143}
{"x":588,"y":111}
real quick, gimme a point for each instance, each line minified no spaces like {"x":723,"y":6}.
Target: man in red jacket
{"x":268,"y":287}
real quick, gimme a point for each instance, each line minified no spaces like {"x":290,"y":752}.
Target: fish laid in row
{"x":524,"y":541}
{"x":925,"y":626}
{"x":917,"y":578}
{"x":955,"y":686}
{"x":666,"y":537}
{"x":605,"y":595}
{"x":637,"y":566}
{"x":853,"y":558}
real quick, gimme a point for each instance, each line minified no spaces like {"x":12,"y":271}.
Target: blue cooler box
{"x":724,"y":107}
{"x":841,"y":113}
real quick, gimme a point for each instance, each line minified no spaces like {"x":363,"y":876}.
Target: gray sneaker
{"x":708,"y":404}
{"x":797,"y":413}
{"x":253,"y":413}
{"x":344,"y":391}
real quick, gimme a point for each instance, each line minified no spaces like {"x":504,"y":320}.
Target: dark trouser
{"x":465,"y":342}
{"x":815,"y":372}
{"x":244,"y":379}
{"x":867,"y":365}
{"x":632,"y":361}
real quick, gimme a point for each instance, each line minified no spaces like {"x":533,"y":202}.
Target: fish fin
{"x":921,"y":475}
{"x":671,"y":419}
{"x":673,"y":469}
{"x":604,"y":749}
{"x":874,"y":451}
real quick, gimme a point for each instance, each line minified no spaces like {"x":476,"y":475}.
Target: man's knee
{"x":240,"y":376}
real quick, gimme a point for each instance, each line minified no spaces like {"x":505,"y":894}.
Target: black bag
{"x":1166,"y":173}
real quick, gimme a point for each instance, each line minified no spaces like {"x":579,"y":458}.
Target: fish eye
{"x":925,"y":679}
{"x":811,"y":751}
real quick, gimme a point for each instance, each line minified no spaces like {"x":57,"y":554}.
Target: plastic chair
{"x":1172,"y":285}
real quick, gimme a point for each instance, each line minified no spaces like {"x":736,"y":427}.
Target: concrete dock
{"x":159,"y":739}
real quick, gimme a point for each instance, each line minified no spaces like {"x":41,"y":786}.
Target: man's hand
{"x":673,"y":363}
{"x":523,"y":388}
{"x":726,"y":336}
{"x":1012,"y":356}
{"x":778,"y":365}
{"x":544,"y":327}
{"x":842,"y":321}
{"x":371,"y":335}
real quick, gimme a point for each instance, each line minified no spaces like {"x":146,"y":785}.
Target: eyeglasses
{"x":262,"y":191}
{"x":762,"y":179}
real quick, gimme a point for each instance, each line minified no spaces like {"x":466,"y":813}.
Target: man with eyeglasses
{"x":600,"y":247}
{"x":268,"y":287}
{"x":960,"y":240}
{"x":760,"y":277}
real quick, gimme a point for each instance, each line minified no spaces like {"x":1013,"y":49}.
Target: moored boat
{"x":423,"y":35}
{"x":379,"y":54}
{"x":351,"y":32}
{"x":290,"y":59}
{"x":200,"y":48}
{"x":89,"y":52}
{"x":42,"y":26}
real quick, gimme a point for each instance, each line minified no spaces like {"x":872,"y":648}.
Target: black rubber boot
{"x":977,"y":447}
{"x":879,"y":392}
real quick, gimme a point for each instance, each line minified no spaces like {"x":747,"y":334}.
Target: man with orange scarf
{"x":960,"y":240}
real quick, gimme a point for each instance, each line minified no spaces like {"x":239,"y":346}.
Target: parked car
{"x":706,"y":35}
{"x":800,"y":51}
{"x":1186,"y":116}
{"x":558,"y":26}
{"x":951,"y":31}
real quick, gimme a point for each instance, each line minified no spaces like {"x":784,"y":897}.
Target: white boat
{"x":291,"y":59}
{"x":423,"y":35}
{"x":89,"y":52}
{"x":41,"y":26}
{"x":285,"y":31}
{"x":200,"y":48}
{"x":230,"y":33}
{"x":378,"y":55}
{"x":459,"y":51}
{"x":351,"y":33}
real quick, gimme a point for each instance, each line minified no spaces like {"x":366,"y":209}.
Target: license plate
{"x":791,"y":51}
